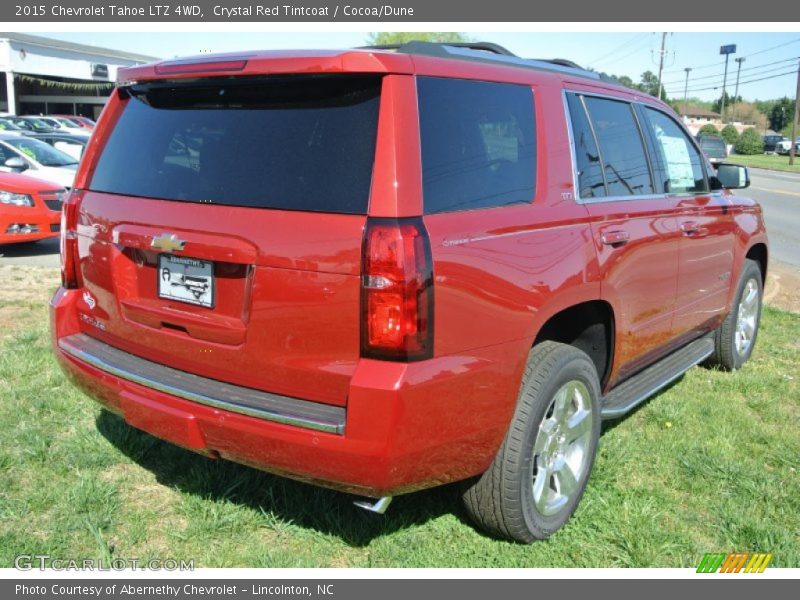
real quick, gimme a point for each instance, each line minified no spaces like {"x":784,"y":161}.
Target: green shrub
{"x":750,"y":142}
{"x":708,"y":129}
{"x":730,"y":135}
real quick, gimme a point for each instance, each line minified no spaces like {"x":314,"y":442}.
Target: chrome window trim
{"x":654,"y":196}
{"x":576,"y":192}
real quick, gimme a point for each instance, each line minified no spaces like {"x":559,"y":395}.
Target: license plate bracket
{"x":185,"y":279}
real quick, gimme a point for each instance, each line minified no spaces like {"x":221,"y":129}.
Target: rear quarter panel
{"x":500,"y":273}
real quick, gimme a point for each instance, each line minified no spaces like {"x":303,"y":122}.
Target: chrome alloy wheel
{"x":746,"y":317}
{"x":561,"y":450}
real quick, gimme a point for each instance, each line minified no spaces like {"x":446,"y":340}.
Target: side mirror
{"x":15,"y":163}
{"x":730,"y":177}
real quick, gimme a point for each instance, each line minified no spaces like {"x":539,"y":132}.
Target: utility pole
{"x":661,"y":62}
{"x":686,"y":88}
{"x":736,"y":92}
{"x":794,"y":121}
{"x":727,"y":51}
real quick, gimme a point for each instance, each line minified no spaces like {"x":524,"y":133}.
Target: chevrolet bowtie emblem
{"x":167,"y":243}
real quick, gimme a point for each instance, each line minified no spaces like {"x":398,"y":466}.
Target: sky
{"x":768,"y":71}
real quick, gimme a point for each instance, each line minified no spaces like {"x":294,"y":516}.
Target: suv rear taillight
{"x":396,"y":290}
{"x":69,"y":240}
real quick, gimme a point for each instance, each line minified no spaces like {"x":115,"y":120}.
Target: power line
{"x":716,"y":64}
{"x":712,"y":84}
{"x":716,"y":87}
{"x":624,"y":46}
{"x":718,"y":83}
{"x":632,"y":51}
{"x":719,"y":75}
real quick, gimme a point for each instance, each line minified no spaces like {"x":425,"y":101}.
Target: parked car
{"x":62,"y":125}
{"x":397,"y":269}
{"x":785,"y":146}
{"x":20,"y":154}
{"x":714,"y":148}
{"x":771,"y":142}
{"x":30,"y":209}
{"x":6,"y":126}
{"x":83,"y":122}
{"x":32,"y":124}
{"x":71,"y":144}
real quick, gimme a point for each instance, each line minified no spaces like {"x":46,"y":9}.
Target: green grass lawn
{"x":711,"y":464}
{"x":766,"y":161}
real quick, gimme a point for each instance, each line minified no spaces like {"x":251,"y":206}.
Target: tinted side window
{"x":621,"y":147}
{"x":590,"y":171}
{"x":680,"y":165}
{"x":478,"y":144}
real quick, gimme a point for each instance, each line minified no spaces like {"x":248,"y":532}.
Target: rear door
{"x":635,"y":229}
{"x":221,"y":230}
{"x":706,"y":225}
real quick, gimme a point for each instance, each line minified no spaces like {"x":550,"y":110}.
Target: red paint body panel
{"x":39,"y":214}
{"x":276,"y":292}
{"x":400,"y":432}
{"x":287,"y":318}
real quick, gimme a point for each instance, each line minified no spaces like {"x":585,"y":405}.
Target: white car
{"x":35,"y":158}
{"x":785,"y":146}
{"x":64,"y":125}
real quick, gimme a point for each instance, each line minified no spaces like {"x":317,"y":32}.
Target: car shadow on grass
{"x":280,"y":501}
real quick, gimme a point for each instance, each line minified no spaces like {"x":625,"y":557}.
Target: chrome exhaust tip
{"x":378,"y":506}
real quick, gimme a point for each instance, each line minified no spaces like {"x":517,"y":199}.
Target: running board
{"x":632,"y":392}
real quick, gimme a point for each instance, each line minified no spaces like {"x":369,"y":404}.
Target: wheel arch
{"x":759,"y":253}
{"x":589,"y":326}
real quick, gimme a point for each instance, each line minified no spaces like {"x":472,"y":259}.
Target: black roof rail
{"x":409,"y":47}
{"x":486,"y":52}
{"x":561,"y":61}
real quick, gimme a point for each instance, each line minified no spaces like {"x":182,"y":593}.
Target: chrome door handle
{"x":689,"y":227}
{"x":615,"y":238}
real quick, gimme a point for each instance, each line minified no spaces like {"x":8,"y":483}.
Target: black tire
{"x":502,"y":501}
{"x":726,"y":354}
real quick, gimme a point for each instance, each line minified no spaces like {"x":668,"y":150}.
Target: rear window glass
{"x":478,"y":144}
{"x":297,"y":143}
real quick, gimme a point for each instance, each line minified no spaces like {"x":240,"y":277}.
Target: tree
{"x":625,"y":80}
{"x":781,"y":114}
{"x":747,"y":113}
{"x":730,"y":135}
{"x":750,"y":142}
{"x":717,"y":105}
{"x":401,"y":37}
{"x":649,"y":84}
{"x":708,"y":129}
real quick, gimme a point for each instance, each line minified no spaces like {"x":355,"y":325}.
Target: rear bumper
{"x":406,"y":426}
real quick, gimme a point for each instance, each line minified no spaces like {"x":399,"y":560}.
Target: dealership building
{"x":47,"y":76}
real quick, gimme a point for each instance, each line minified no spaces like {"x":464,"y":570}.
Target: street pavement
{"x":779,"y":196}
{"x":778,"y":193}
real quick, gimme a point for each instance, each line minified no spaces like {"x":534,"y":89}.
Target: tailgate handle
{"x":615,"y":238}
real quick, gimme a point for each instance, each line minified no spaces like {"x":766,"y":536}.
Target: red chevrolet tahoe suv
{"x":381,"y":270}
